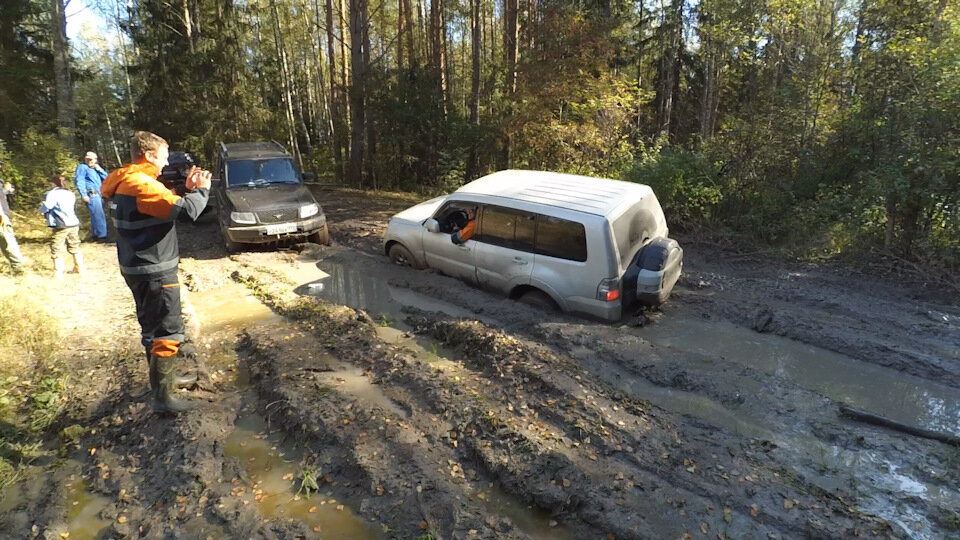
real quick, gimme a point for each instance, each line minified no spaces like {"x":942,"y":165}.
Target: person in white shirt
{"x":59,"y":208}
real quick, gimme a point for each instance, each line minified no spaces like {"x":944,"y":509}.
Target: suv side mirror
{"x":432,"y":225}
{"x":309,"y":177}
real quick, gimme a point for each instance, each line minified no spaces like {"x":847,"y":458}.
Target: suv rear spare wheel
{"x":659,"y":264}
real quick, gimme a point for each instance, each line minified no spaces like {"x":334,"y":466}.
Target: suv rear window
{"x":534,"y":233}
{"x":561,"y":238}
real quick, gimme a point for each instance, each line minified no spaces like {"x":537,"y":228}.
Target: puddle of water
{"x":354,"y":382}
{"x":880,"y":390}
{"x":230,"y":308}
{"x":83,"y":507}
{"x":83,"y":519}
{"x":273,"y":467}
{"x":420,"y":347}
{"x":359,"y":290}
{"x":534,"y":522}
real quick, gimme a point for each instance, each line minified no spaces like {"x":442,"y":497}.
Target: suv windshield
{"x":260,"y":172}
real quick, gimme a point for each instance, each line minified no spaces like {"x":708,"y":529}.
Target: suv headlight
{"x":243,"y":218}
{"x":309,"y":210}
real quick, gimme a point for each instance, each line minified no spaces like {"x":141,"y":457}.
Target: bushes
{"x":687,"y":184}
{"x":30,"y":165}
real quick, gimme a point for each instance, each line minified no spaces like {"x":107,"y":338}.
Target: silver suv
{"x":585,"y":245}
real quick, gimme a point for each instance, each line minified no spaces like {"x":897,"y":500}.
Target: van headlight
{"x":243,"y":218}
{"x":309,"y":210}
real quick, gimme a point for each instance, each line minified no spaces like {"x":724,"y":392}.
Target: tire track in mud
{"x":596,"y":487}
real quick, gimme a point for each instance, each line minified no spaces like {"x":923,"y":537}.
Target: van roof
{"x":600,"y":196}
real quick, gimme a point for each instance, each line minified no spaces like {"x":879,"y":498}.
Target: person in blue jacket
{"x":88,"y":178}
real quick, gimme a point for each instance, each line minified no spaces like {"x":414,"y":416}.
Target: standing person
{"x":59,"y":208}
{"x":8,"y":242}
{"x":88,"y":178}
{"x":145,"y":214}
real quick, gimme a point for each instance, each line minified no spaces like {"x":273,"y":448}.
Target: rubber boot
{"x":162,"y":376}
{"x":185,"y":380}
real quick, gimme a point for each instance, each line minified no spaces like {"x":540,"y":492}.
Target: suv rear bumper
{"x":258,"y":234}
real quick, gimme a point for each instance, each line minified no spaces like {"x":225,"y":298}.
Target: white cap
{"x":90,"y":155}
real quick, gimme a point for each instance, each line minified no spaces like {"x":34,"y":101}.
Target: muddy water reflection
{"x":230,"y":308}
{"x":880,"y":390}
{"x":372,"y":293}
{"x":272,"y":466}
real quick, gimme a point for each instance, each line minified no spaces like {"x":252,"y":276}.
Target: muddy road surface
{"x":345,"y":397}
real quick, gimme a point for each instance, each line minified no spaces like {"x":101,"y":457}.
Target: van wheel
{"x":539,"y":299}
{"x":402,"y":256}
{"x":322,"y":236}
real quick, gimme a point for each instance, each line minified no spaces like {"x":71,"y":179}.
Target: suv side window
{"x":561,"y":238}
{"x":509,"y":228}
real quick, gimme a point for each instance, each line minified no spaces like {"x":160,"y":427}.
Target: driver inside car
{"x":464,"y":225}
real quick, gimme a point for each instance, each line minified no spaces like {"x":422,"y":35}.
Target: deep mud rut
{"x":344,"y":397}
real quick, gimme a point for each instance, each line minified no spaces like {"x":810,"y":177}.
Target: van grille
{"x":277,"y":216}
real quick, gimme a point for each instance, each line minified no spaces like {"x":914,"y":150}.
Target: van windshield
{"x":632,"y":230}
{"x":259,"y":172}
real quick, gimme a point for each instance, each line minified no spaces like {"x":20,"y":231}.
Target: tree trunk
{"x":511,"y":54}
{"x":371,"y":149}
{"x":669,"y":66}
{"x":475,"y":44}
{"x":358,"y":16}
{"x":188,"y":25}
{"x":336,"y":119}
{"x":285,"y":84}
{"x":437,"y":56}
{"x":66,"y":114}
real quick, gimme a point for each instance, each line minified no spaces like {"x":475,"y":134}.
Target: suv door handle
{"x":518,"y":260}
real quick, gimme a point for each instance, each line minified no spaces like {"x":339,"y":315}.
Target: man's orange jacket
{"x":145,"y":214}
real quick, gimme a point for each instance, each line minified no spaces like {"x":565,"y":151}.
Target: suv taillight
{"x":608,"y":290}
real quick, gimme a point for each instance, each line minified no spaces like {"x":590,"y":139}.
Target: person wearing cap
{"x":8,"y":242}
{"x":88,"y":179}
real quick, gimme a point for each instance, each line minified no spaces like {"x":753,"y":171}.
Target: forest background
{"x":827,"y":129}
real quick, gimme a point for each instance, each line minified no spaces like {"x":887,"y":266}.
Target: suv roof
{"x":600,"y":196}
{"x":246,"y":150}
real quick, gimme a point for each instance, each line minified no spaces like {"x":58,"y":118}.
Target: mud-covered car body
{"x":586,"y":245}
{"x":262,"y":198}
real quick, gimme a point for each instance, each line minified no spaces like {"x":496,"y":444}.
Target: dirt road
{"x":345,"y":397}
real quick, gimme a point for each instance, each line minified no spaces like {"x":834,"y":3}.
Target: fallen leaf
{"x":312,"y":510}
{"x":704,"y":528}
{"x":423,"y":525}
{"x":787,"y":504}
{"x":727,"y":515}
{"x":122,"y":519}
{"x":340,"y":507}
{"x":754,"y":510}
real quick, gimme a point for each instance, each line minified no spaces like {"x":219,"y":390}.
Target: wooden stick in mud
{"x":864,"y":416}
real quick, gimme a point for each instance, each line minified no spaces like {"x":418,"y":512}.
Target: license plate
{"x":281,"y":228}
